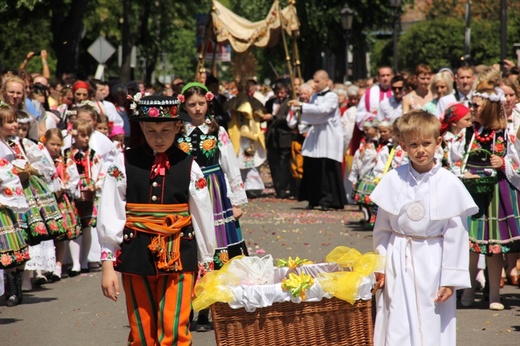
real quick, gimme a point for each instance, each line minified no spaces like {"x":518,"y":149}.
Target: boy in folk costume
{"x":421,"y":229}
{"x":154,"y":227}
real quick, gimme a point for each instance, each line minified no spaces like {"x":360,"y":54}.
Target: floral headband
{"x":23,"y":120}
{"x":498,"y":97}
{"x":209,"y":95}
{"x":88,"y":103}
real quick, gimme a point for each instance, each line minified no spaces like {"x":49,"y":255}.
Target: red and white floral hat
{"x":156,"y":108}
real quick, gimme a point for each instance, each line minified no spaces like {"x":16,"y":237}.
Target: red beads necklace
{"x":484,"y":139}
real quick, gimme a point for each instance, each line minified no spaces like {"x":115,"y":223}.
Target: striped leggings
{"x":158,"y":308}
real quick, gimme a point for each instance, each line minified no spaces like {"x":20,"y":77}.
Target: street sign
{"x":101,"y":50}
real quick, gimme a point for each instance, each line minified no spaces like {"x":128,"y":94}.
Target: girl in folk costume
{"x":65,"y":187}
{"x":492,"y":174}
{"x":248,"y":139}
{"x":43,"y":220}
{"x":454,"y":122}
{"x":90,"y":168}
{"x":13,"y":249}
{"x":117,"y":135}
{"x":421,"y":230}
{"x":43,"y":255}
{"x":209,"y":143}
{"x":361,"y":174}
{"x":158,"y":183}
{"x":391,"y":155}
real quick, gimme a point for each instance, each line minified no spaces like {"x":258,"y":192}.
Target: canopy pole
{"x":202,"y":55}
{"x":287,"y":56}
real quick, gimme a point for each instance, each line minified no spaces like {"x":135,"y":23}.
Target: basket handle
{"x":466,"y":155}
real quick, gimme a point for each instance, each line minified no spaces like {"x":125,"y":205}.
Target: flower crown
{"x":88,"y":103}
{"x":498,"y":97}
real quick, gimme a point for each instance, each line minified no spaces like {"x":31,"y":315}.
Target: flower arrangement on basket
{"x":254,"y":282}
{"x":483,"y":185}
{"x":255,"y":303}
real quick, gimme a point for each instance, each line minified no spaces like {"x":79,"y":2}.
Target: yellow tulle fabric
{"x":214,"y":287}
{"x":345,"y":285}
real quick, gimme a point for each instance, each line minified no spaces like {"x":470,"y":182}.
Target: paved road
{"x":74,"y":312}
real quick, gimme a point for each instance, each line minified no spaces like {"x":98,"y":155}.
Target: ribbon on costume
{"x":160,"y":165}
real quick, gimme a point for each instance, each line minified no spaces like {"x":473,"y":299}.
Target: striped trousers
{"x":158,"y":308}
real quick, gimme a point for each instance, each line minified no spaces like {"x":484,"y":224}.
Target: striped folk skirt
{"x":71,"y":221}
{"x":43,"y":219}
{"x":230,"y":242}
{"x":13,"y":249}
{"x":496,"y":226}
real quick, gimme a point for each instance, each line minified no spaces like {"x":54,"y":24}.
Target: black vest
{"x":173,"y":188}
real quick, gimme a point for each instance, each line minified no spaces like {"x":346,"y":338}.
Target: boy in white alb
{"x":421,"y":229}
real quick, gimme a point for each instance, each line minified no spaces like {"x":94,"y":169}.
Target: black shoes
{"x":14,"y":285}
{"x":73,"y":273}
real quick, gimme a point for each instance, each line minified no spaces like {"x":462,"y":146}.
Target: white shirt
{"x":390,"y":109}
{"x":325,"y":137}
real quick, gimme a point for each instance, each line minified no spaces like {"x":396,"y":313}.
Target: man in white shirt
{"x":322,"y":184}
{"x":378,"y":92}
{"x":392,"y":108}
{"x":101,"y":91}
{"x":464,"y":80}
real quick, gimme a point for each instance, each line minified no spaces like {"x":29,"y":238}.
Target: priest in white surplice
{"x":322,"y":150}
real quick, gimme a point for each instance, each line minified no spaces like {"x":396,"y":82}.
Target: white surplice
{"x":421,"y":230}
{"x":325,"y":136}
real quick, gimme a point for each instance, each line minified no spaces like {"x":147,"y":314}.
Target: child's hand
{"x":471,"y":175}
{"x":443,"y":294}
{"x":380,"y":280}
{"x":109,"y":281}
{"x":237,"y":212}
{"x":496,"y":161}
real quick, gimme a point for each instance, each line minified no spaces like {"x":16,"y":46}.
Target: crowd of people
{"x":85,"y":168}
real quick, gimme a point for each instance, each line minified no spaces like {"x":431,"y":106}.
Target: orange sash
{"x":167,"y":222}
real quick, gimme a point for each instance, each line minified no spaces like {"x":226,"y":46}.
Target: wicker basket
{"x":328,"y":322}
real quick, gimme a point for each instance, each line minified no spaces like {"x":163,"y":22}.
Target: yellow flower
{"x":298,"y":284}
{"x":292,"y":263}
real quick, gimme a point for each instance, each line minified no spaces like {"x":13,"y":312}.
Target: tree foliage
{"x":439,"y":41}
